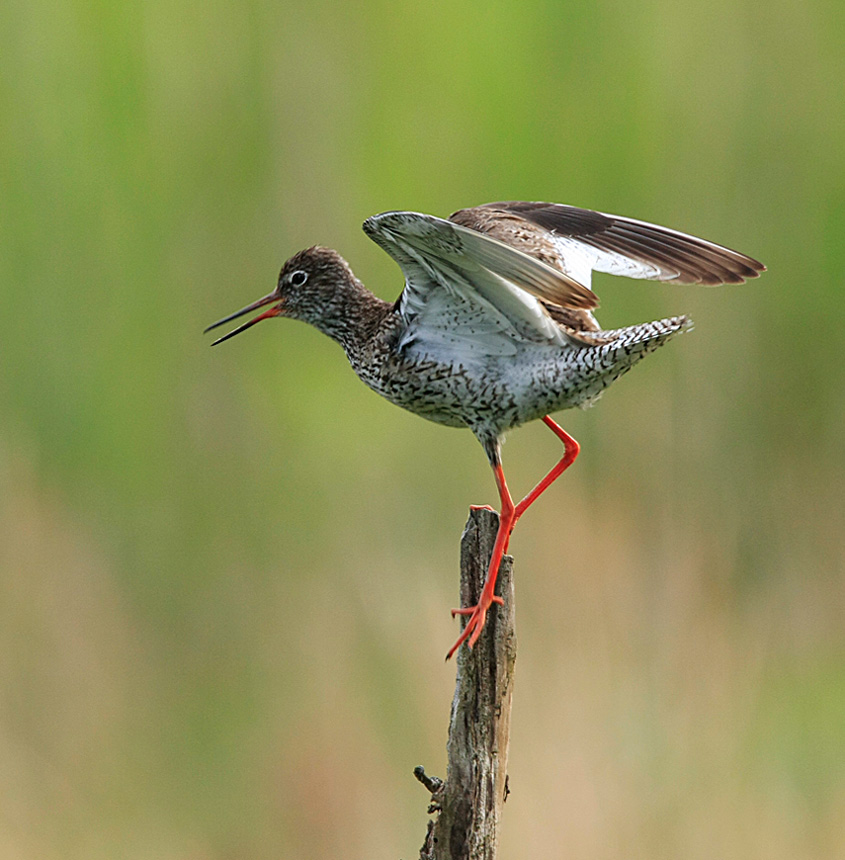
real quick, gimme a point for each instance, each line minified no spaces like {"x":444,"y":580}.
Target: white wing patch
{"x":580,"y":260}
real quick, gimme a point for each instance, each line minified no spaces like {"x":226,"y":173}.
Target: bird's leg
{"x":478,"y":613}
{"x":507,"y":520}
{"x":571,"y":449}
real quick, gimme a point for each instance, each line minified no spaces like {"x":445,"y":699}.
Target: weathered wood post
{"x":468,"y":804}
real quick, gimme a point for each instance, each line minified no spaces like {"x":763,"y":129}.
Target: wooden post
{"x":468,"y":804}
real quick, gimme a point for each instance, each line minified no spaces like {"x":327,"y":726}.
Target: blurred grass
{"x":224,"y":576}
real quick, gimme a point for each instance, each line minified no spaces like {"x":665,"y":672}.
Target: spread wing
{"x":580,"y":241}
{"x":470,"y":292}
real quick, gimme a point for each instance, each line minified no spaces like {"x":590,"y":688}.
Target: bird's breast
{"x":476,"y":390}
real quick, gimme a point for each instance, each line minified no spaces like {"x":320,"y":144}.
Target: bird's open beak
{"x":275,"y":311}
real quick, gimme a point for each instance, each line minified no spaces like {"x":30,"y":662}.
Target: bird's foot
{"x":468,"y":610}
{"x":475,"y":624}
{"x":482,"y":508}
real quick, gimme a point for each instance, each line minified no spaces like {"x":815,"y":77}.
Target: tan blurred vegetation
{"x":225,"y":575}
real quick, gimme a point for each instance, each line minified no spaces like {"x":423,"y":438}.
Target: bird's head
{"x":312,"y":287}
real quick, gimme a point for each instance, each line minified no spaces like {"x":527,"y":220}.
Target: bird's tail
{"x":640,"y":336}
{"x":618,"y":350}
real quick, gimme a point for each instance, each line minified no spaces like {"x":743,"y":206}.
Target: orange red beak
{"x":270,"y":312}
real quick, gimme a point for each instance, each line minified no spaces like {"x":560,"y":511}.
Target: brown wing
{"x":581,"y":238}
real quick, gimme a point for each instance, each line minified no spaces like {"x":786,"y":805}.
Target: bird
{"x":495,"y":327}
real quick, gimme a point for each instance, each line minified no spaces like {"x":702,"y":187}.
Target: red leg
{"x":478,"y":613}
{"x":507,"y":520}
{"x":571,"y":450}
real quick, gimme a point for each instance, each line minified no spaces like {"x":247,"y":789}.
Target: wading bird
{"x":494,"y":327}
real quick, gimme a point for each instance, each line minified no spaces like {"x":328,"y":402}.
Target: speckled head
{"x":315,"y":286}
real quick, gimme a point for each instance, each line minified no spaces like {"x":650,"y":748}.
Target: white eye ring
{"x":298,"y":278}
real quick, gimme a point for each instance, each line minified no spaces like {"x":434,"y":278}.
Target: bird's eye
{"x":298,"y":278}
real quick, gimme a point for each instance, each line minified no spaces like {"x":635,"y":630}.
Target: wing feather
{"x":460,"y":281}
{"x":494,"y":275}
{"x":625,"y":246}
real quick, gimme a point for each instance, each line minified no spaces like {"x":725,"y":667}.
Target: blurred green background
{"x":225,"y":574}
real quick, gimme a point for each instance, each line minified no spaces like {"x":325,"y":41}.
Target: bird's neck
{"x":356,"y":318}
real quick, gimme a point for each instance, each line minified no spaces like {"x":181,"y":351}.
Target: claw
{"x":470,"y":609}
{"x":477,"y":617}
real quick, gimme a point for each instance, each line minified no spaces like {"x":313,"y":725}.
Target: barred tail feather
{"x":620,"y":349}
